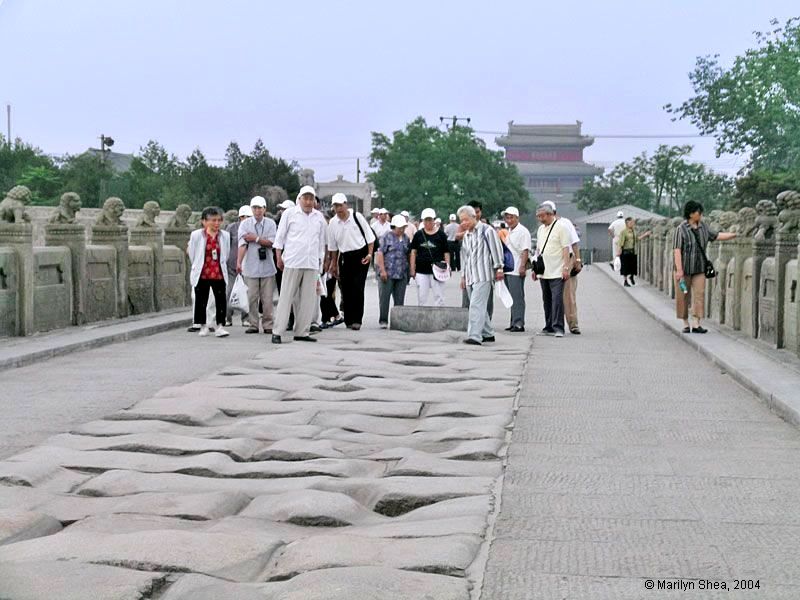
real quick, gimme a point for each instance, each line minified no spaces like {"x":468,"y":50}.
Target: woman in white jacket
{"x":208,"y":250}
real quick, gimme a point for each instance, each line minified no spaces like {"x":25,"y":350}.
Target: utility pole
{"x":8,"y":121}
{"x":455,"y":120}
{"x":358,"y":170}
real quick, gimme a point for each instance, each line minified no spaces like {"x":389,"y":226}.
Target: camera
{"x":262,"y":253}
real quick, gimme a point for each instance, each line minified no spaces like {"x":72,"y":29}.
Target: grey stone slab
{"x":67,"y":580}
{"x":431,"y":466}
{"x":173,"y":411}
{"x":43,"y":475}
{"x":133,"y":523}
{"x":18,"y":525}
{"x":427,"y":319}
{"x":298,"y":449}
{"x":238,"y":558}
{"x":314,"y":508}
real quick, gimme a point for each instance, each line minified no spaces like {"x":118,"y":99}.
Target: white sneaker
{"x":203,"y":331}
{"x":221,"y":332}
{"x":559,"y":334}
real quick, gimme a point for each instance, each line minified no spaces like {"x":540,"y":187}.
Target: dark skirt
{"x":630,"y":265}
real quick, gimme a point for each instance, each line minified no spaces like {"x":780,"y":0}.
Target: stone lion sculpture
{"x":12,"y":208}
{"x":111,"y":213}
{"x":745,"y":224}
{"x":766,"y":220}
{"x":726,"y":220}
{"x":789,"y":216}
{"x":231,"y":217}
{"x":306,"y":177}
{"x":68,"y":207}
{"x":180,"y":220}
{"x":713,"y":217}
{"x":150,"y":212}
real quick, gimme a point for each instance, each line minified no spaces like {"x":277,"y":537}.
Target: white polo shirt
{"x":519,"y":240}
{"x":301,"y":237}
{"x":345,"y":236}
{"x":574,"y":238}
{"x":381,"y":229}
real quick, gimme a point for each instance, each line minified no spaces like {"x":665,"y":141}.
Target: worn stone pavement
{"x":633,"y":458}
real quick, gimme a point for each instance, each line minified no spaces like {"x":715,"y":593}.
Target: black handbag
{"x":710,"y":271}
{"x":538,"y":264}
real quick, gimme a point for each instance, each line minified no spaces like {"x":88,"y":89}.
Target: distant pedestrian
{"x":233,"y":230}
{"x":256,"y":264}
{"x":482,"y":265}
{"x":208,"y":250}
{"x":374,"y":216}
{"x":628,"y":246}
{"x":614,"y":229}
{"x":381,"y":227}
{"x":429,"y":250}
{"x":350,"y":244}
{"x":411,"y":229}
{"x":453,"y":245}
{"x":553,"y":245}
{"x":477,"y":206}
{"x":392,"y":261}
{"x":299,"y":253}
{"x":519,"y":243}
{"x":690,"y":241}
{"x":575,"y":266}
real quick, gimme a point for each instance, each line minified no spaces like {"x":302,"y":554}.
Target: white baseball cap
{"x":375,"y":211}
{"x":306,"y":189}
{"x":437,"y":220}
{"x":452,"y":217}
{"x":258,"y":201}
{"x":398,"y":221}
{"x":551,"y":204}
{"x":428,"y":213}
{"x":339,"y":198}
{"x":245,"y":211}
{"x":383,"y":211}
{"x":511,"y":210}
{"x":286,"y":204}
{"x":405,"y":213}
{"x":620,"y":214}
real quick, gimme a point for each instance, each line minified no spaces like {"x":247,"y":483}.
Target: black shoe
{"x":510,"y":328}
{"x":516,"y":329}
{"x":686,"y":330}
{"x":488,"y":338}
{"x":626,"y":284}
{"x":632,"y":281}
{"x":315,"y":328}
{"x":251,"y":330}
{"x":699,"y":329}
{"x":276,"y":339}
{"x":472,"y":342}
{"x":575,"y":331}
{"x":304,"y":338}
{"x":268,"y":331}
{"x":193,"y":329}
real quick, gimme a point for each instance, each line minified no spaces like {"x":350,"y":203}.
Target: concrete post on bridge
{"x":763,"y":247}
{"x":108,"y":230}
{"x":19,"y":238}
{"x":148,"y":233}
{"x":177,"y":233}
{"x":658,"y":254}
{"x":72,"y":236}
{"x":785,"y":252}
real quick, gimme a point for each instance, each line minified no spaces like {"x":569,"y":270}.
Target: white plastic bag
{"x":322,"y":285}
{"x":503,"y":293}
{"x":238,"y":299}
{"x":617,"y":263}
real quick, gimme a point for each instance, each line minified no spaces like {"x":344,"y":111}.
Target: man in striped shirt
{"x":481,"y":266}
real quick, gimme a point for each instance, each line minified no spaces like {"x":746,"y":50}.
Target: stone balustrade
{"x":756,"y":288}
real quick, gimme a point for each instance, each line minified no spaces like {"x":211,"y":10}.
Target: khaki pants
{"x":260,"y":289}
{"x":570,"y":302}
{"x":298,"y":290}
{"x":696,"y":285}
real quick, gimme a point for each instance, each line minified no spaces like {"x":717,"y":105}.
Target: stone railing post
{"x":19,"y":237}
{"x":152,"y":237}
{"x":72,"y":236}
{"x":761,"y":250}
{"x":116,"y":236}
{"x":725,"y":252}
{"x":179,"y":237}
{"x":785,"y":250}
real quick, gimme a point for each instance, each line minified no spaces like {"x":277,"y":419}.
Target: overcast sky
{"x":314,"y":78}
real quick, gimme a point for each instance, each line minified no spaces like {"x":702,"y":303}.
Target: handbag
{"x":441,"y":270}
{"x":710,"y":271}
{"x":538,"y":263}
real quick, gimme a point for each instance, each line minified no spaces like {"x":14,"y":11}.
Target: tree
{"x":422,"y":166}
{"x":759,"y":184}
{"x":754,"y":106}
{"x":17,"y":158}
{"x":87,"y":175}
{"x":43,"y":181}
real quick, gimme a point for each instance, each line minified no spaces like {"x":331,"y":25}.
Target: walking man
{"x":614,"y":229}
{"x":233,"y":259}
{"x":519,"y":242}
{"x":299,"y":253}
{"x":350,"y":243}
{"x":575,"y":267}
{"x":381,"y":227}
{"x":553,"y":245}
{"x":255,"y":262}
{"x":453,"y":245}
{"x":482,"y":265}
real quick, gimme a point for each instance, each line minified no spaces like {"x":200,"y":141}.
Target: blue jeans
{"x":480,"y":323}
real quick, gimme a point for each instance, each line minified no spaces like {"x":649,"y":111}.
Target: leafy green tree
{"x":87,"y":175}
{"x":752,"y":107}
{"x":16,"y":159}
{"x":761,"y":183}
{"x":44,"y":182}
{"x":422,"y":166}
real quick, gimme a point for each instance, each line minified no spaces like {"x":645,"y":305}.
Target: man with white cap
{"x":233,"y":258}
{"x":411,"y":229}
{"x":255,"y":263}
{"x":350,"y":243}
{"x":381,"y":226}
{"x":299,"y":253}
{"x":429,"y":250}
{"x":453,"y":245}
{"x":375,"y":215}
{"x":391,"y":259}
{"x":614,"y":229}
{"x":571,"y":284}
{"x":518,"y":242}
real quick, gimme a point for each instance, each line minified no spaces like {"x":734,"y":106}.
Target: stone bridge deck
{"x":377,"y":465}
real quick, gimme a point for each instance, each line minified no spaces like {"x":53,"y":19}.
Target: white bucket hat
{"x":258,"y":201}
{"x":245,"y":211}
{"x":398,"y":221}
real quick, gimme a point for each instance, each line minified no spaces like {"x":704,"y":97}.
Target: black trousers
{"x":327,"y":304}
{"x":454,"y":248}
{"x":352,"y":279}
{"x":553,"y":300}
{"x":217,"y":286}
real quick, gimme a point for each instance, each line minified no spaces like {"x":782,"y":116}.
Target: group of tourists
{"x":307,"y":256}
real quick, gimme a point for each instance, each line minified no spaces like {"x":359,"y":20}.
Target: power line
{"x":634,"y":136}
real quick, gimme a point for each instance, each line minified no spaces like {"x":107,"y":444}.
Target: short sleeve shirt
{"x":552,"y":248}
{"x":252,"y":265}
{"x":211,"y":266}
{"x":430,"y":249}
{"x":395,"y":255}
{"x":692,"y":253}
{"x":519,"y":240}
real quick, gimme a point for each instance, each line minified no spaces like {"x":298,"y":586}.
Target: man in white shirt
{"x":255,"y":263}
{"x":381,"y":227}
{"x":411,"y":228}
{"x":453,"y":245}
{"x":519,"y":242}
{"x":374,"y":216}
{"x":350,"y":243}
{"x":553,"y":244}
{"x":571,"y":285}
{"x":299,"y":253}
{"x":614,"y":229}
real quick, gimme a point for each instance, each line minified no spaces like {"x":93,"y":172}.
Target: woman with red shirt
{"x":208,"y":250}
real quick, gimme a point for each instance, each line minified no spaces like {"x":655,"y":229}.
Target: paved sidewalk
{"x":633,"y":458}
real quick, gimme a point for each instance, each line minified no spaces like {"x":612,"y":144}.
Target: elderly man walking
{"x":350,"y":243}
{"x":255,"y":263}
{"x":553,"y":245}
{"x":614,"y":230}
{"x":519,"y":242}
{"x":299,"y":253}
{"x":233,"y":261}
{"x":576,"y":265}
{"x":482,"y":265}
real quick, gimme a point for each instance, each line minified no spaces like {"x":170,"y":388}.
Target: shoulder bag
{"x":710,"y":271}
{"x":538,"y":263}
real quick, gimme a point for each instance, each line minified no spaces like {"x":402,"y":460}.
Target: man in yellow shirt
{"x":553,"y":245}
